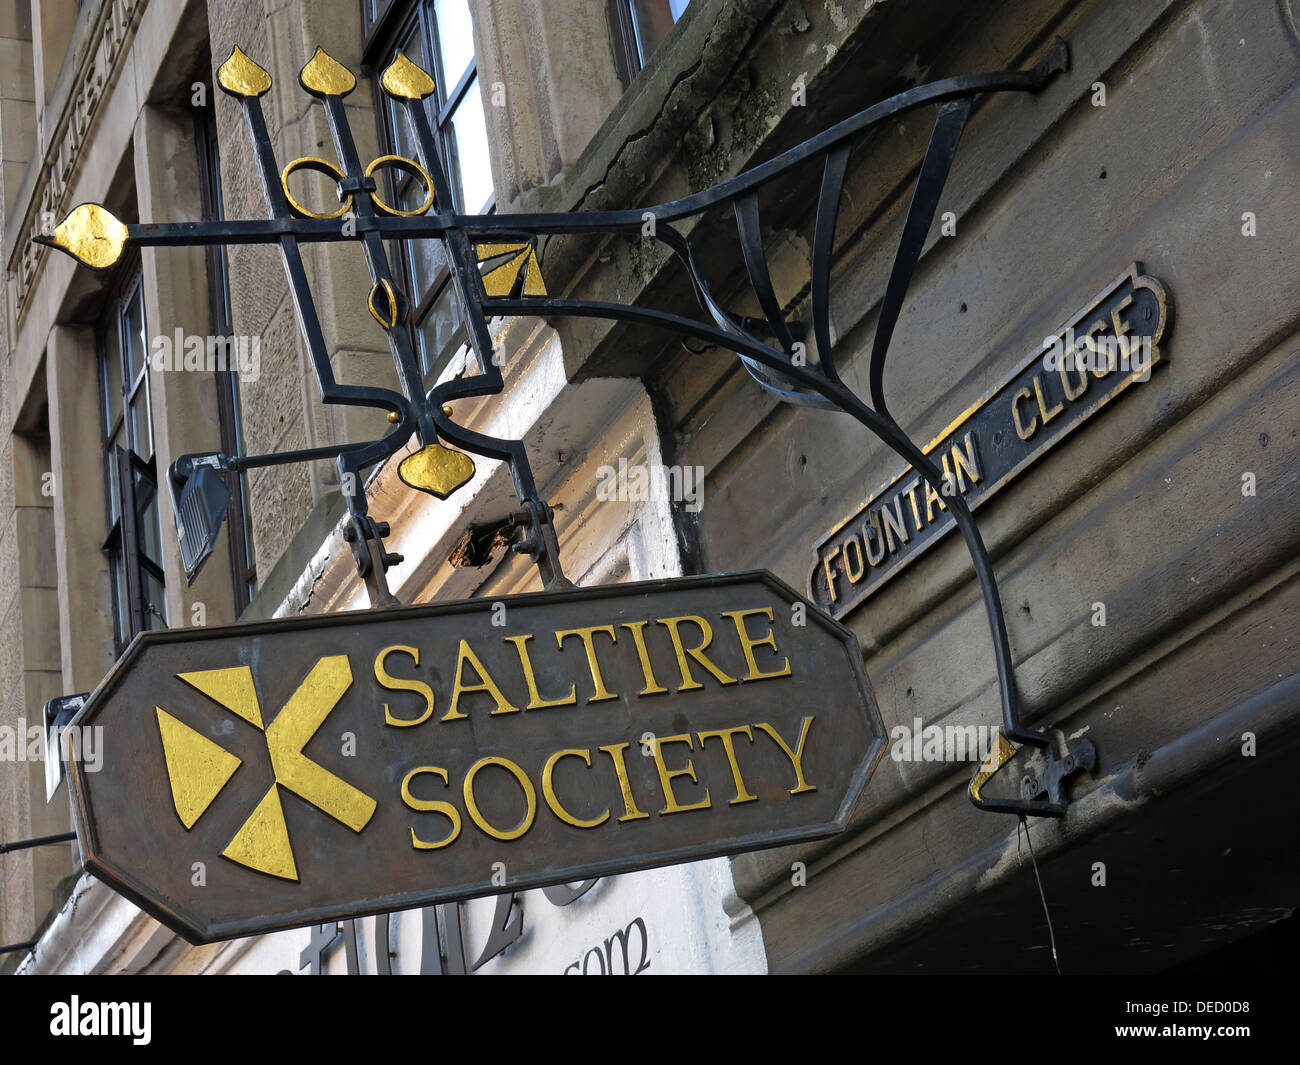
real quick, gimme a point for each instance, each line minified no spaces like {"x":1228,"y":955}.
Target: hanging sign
{"x":293,"y":772}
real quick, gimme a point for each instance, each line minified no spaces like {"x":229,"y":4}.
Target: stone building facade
{"x":1147,"y":560}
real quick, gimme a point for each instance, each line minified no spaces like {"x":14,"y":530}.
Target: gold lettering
{"x":895,"y":526}
{"x":1121,"y":327}
{"x":430,"y":806}
{"x":1022,"y":430}
{"x":397,"y":684}
{"x":666,"y":775}
{"x":831,"y":574}
{"x":853,"y":571}
{"x":535,"y":700}
{"x":932,"y":497}
{"x":530,"y":798}
{"x":796,"y":757}
{"x":548,"y":790}
{"x":689,"y":683}
{"x":910,"y":490}
{"x":1100,"y":366}
{"x":748,"y":643}
{"x":615,"y":752}
{"x":466,"y":655}
{"x":871,"y":534}
{"x":966,"y":465}
{"x":728,"y":744}
{"x":652,"y":686}
{"x":1048,"y":414}
{"x":588,"y":643}
{"x":1073,"y":392}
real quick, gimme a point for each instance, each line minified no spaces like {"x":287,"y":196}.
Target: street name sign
{"x":1111,"y":344}
{"x":285,"y":773}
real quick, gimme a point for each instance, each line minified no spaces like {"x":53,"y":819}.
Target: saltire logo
{"x":198,"y":768}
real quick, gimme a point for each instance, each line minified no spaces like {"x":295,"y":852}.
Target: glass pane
{"x":469,"y":137}
{"x":652,"y":20}
{"x":137,"y":423}
{"x":413,"y":48}
{"x":114,"y":510}
{"x":148,"y":522}
{"x":119,"y":598}
{"x":440,"y":331}
{"x":133,"y":335}
{"x":155,"y":598}
{"x":403,"y":143}
{"x":110,"y":376}
{"x":455,"y":40}
{"x":426,"y":259}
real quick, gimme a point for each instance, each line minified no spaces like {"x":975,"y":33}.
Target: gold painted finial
{"x":91,"y":235}
{"x":324,"y":75}
{"x":240,"y":76}
{"x":436,"y":469}
{"x":406,"y":80}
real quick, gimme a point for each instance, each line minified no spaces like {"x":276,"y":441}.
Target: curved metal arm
{"x":96,"y":239}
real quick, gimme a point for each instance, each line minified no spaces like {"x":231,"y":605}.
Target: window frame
{"x":243,"y":560}
{"x":124,"y":468}
{"x":385,"y":34}
{"x":625,"y":40}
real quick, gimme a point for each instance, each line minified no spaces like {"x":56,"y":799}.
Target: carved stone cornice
{"x":113,"y":30}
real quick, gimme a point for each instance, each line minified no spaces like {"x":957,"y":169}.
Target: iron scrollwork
{"x":512,"y":285}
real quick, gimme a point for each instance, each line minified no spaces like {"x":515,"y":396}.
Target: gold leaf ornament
{"x":500,"y":281}
{"x":405,"y":80}
{"x":240,"y":76}
{"x":324,"y":75}
{"x":91,"y":235}
{"x":437,"y":470}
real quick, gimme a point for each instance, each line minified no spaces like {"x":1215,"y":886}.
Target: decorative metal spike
{"x":324,"y":75}
{"x":240,"y":76}
{"x":91,"y":235}
{"x":405,"y":80}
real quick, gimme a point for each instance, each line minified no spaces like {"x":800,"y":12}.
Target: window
{"x":438,"y":36}
{"x":242,"y":562}
{"x":636,"y":29}
{"x":134,"y":543}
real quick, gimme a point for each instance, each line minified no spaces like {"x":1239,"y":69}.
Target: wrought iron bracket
{"x":534,"y":528}
{"x":366,"y":538}
{"x":495,"y":270}
{"x":1042,"y":776}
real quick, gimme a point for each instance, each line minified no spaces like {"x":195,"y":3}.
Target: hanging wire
{"x":1051,"y":934}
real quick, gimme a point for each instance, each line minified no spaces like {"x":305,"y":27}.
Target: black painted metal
{"x":38,"y":841}
{"x":781,"y":368}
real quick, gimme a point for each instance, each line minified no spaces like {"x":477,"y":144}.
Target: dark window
{"x":636,"y":29}
{"x":240,"y":537}
{"x":438,"y":36}
{"x":134,"y":542}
